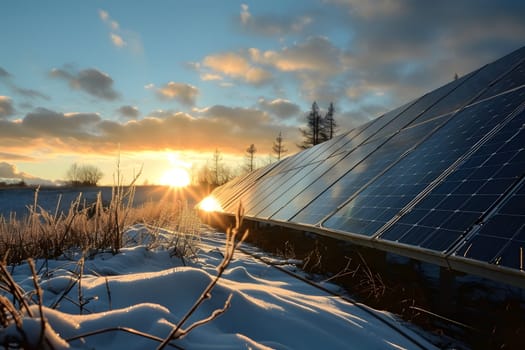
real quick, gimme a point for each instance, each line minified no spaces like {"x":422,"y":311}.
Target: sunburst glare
{"x":178,"y":175}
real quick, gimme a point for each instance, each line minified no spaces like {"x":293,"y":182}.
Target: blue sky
{"x":164,"y":80}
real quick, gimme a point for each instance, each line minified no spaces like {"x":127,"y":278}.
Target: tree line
{"x":319,"y":128}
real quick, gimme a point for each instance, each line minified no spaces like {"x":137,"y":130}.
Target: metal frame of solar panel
{"x":440,"y":179}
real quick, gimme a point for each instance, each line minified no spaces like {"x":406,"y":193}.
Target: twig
{"x":120,"y":329}
{"x":66,"y":291}
{"x":80,"y":296}
{"x":442,"y":317}
{"x":15,"y":289}
{"x":213,"y":316}
{"x":109,"y":292}
{"x":344,"y":272}
{"x":41,"y":337}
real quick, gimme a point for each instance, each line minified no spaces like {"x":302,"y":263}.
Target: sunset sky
{"x":168,"y":82}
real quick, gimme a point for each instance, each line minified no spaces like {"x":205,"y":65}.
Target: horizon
{"x":163,"y":85}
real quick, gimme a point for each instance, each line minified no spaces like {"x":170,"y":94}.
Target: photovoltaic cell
{"x":448,"y":211}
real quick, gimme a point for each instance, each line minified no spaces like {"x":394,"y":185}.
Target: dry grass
{"x":97,"y":227}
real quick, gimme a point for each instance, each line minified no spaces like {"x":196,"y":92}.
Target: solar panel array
{"x":440,"y":178}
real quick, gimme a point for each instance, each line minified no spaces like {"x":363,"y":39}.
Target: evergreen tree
{"x":318,"y":129}
{"x":330,"y":125}
{"x":311,"y":133}
{"x":278,"y":147}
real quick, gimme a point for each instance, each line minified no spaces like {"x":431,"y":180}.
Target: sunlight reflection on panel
{"x":210,"y":204}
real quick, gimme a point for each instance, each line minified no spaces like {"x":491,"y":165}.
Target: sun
{"x":176,"y":177}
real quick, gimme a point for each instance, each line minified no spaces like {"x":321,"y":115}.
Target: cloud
{"x":272,"y":24}
{"x":280,"y":107}
{"x":44,"y":132}
{"x":30,"y":93}
{"x":180,"y":92}
{"x":245,"y":14}
{"x":372,"y":9}
{"x":316,"y":54}
{"x":119,"y":37}
{"x":104,"y":15}
{"x":91,"y":81}
{"x":409,"y":47}
{"x":210,"y":77}
{"x":10,"y":173}
{"x":6,"y":107}
{"x":7,"y":78}
{"x":117,"y":40}
{"x":13,"y":156}
{"x":131,"y":112}
{"x":4,"y":73}
{"x":49,"y":123}
{"x":236,"y":66}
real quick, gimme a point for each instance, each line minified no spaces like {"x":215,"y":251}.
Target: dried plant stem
{"x":213,"y":316}
{"x":38,"y":290}
{"x":80,"y":296}
{"x":120,"y":329}
{"x":344,"y":272}
{"x":109,"y":292}
{"x":14,"y":289}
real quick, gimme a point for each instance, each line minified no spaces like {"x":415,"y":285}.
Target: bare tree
{"x":215,"y":173}
{"x":250,"y":156}
{"x":83,"y":175}
{"x":278,"y":147}
{"x":216,"y":167}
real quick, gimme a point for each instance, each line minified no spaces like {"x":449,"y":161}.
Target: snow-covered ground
{"x":147,"y":289}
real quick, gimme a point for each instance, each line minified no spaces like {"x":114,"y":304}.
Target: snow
{"x":147,"y":289}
